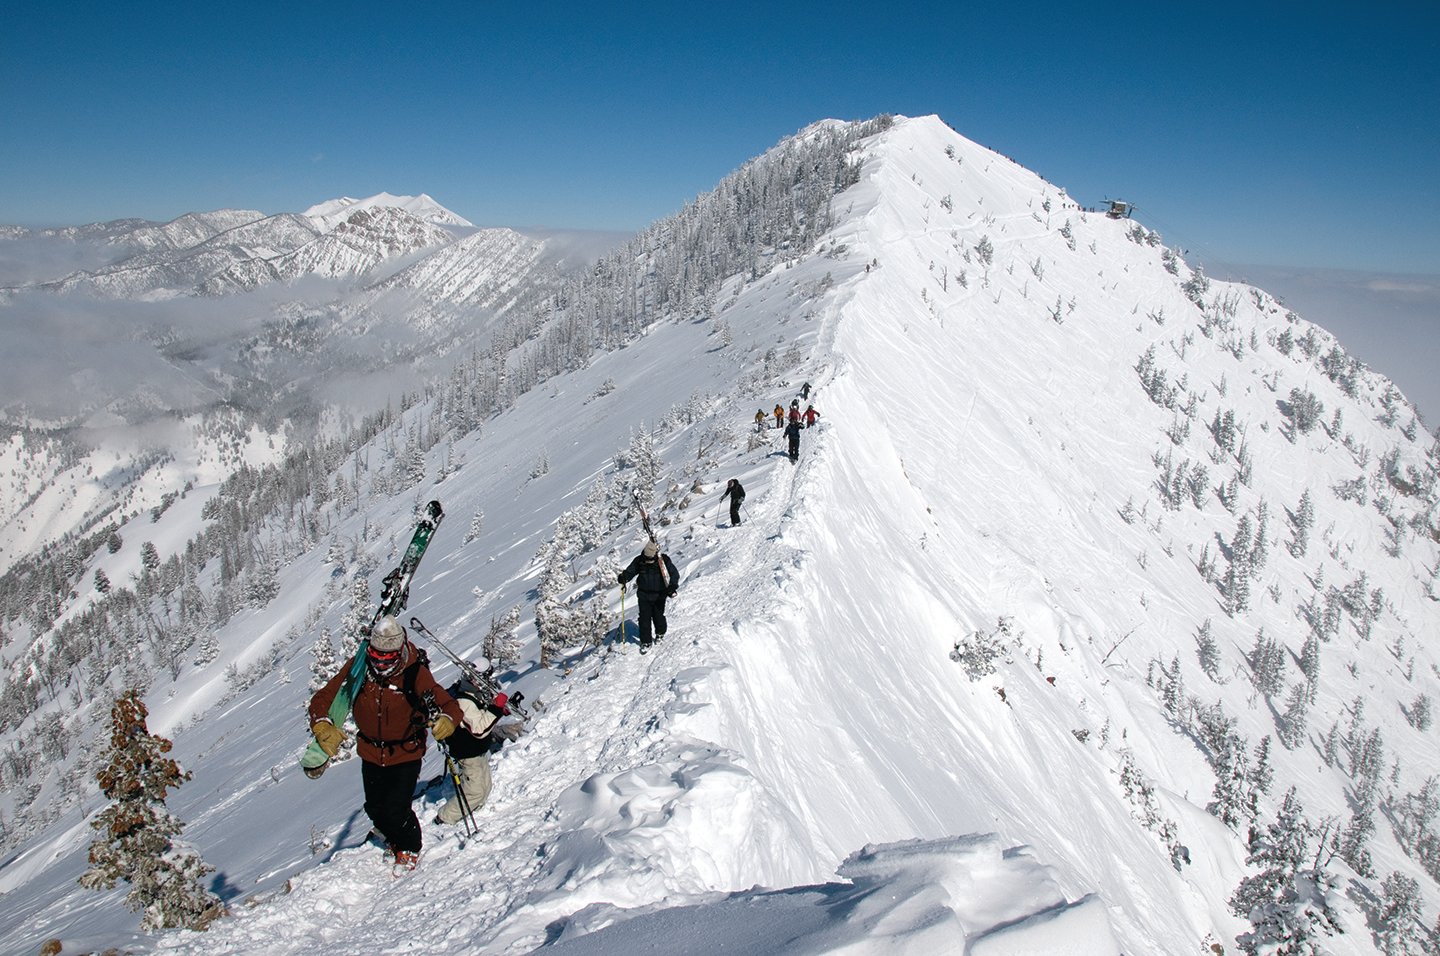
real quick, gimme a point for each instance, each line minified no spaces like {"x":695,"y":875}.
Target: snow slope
{"x":801,"y":767}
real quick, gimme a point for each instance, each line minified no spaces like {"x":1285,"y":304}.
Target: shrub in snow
{"x":977,"y":653}
{"x":138,"y":835}
{"x":1196,"y":286}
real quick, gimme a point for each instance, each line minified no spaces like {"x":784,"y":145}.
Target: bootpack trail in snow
{"x":591,"y":771}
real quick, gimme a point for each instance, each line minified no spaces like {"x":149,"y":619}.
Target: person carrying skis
{"x":392,"y":707}
{"x":760,"y":419}
{"x":810,"y":416}
{"x":779,"y":415}
{"x":736,"y":493}
{"x":792,"y":432}
{"x":469,"y":746}
{"x":655,"y":580}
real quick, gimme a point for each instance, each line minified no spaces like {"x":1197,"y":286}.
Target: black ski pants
{"x":652,"y":618}
{"x":388,"y":793}
{"x":734,"y":511}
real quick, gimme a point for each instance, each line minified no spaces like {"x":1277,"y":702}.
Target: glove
{"x":443,"y":727}
{"x":671,"y":592}
{"x":328,"y":736}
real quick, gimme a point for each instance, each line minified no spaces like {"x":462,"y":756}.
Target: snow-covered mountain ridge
{"x":230,"y":249}
{"x":1003,"y":464}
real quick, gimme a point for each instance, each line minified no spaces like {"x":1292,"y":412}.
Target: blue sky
{"x":1301,"y":137}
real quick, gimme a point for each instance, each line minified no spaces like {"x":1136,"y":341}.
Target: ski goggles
{"x":383,"y":659}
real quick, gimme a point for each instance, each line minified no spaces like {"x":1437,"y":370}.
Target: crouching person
{"x":392,"y":708}
{"x":478,"y":733}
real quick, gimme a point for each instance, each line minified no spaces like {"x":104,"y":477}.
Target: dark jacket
{"x":390,"y":730}
{"x":736,"y":489}
{"x":649,"y":583}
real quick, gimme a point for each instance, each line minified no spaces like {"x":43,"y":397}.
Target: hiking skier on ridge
{"x":655,"y":580}
{"x":391,"y":709}
{"x":792,"y":432}
{"x":736,"y":493}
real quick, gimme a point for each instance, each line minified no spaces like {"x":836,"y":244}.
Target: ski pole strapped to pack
{"x":485,"y":679}
{"x":393,"y":599}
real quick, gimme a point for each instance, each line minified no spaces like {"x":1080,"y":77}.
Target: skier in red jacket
{"x":391,"y":709}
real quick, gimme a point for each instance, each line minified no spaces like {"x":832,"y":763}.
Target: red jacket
{"x":391,"y":732}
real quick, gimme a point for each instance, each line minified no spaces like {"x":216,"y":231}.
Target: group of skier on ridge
{"x":796,"y":416}
{"x":399,"y":698}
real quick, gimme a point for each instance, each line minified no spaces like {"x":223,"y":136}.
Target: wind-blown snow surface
{"x":800,"y":767}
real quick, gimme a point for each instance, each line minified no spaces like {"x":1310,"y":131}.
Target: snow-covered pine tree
{"x":1420,"y":713}
{"x":477,"y":522}
{"x":1400,"y":930}
{"x":138,"y":835}
{"x":1355,"y":839}
{"x":553,"y":623}
{"x":1305,"y":410}
{"x":1292,"y":723}
{"x":1267,"y":663}
{"x":1284,"y":902}
{"x":645,"y":457}
{"x":1231,"y":762}
{"x":322,"y":660}
{"x":1310,"y":665}
{"x":208,"y":650}
{"x":357,"y":618}
{"x":1260,"y":552}
{"x":1415,"y":816}
{"x":1237,"y":578}
{"x":501,"y":648}
{"x":1208,"y":651}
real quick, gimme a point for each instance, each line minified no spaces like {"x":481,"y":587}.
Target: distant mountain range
{"x":242,"y":323}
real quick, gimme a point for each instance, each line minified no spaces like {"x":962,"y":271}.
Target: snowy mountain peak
{"x":332,"y":213}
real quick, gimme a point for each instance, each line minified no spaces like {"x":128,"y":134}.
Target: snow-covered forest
{"x":1099,"y":607}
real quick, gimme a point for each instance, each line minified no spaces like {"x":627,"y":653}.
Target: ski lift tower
{"x":1119,"y":209}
